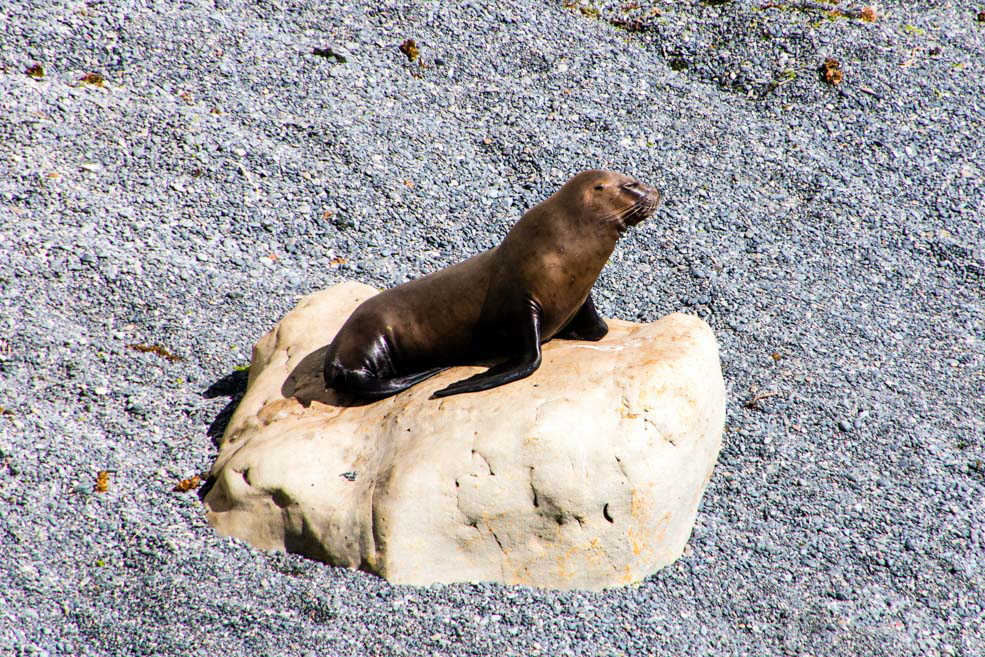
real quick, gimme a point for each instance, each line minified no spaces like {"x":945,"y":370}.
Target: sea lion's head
{"x":611,"y":198}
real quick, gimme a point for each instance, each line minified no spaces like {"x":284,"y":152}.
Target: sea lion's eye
{"x":599,"y":186}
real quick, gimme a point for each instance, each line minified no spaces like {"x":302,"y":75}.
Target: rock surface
{"x":587,"y":474}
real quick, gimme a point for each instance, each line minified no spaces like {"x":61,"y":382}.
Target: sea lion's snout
{"x":646,"y":200}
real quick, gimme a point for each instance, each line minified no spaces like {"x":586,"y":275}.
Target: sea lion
{"x":504,"y":302}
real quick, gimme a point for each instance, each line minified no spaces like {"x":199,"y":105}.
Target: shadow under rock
{"x":232,"y":385}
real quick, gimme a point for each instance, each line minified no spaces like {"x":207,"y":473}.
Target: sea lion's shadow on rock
{"x":306,"y":383}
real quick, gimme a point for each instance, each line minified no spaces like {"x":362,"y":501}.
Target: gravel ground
{"x":832,"y":236}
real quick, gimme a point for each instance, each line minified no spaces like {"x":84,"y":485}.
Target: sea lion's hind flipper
{"x":514,"y":369}
{"x":361,"y":384}
{"x":585,"y":325}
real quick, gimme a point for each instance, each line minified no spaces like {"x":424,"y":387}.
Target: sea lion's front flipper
{"x":514,"y":369}
{"x":585,"y":325}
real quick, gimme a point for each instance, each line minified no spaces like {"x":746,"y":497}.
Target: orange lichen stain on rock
{"x":645,"y":547}
{"x":624,"y":411}
{"x":473,"y":537}
{"x":657,"y":390}
{"x":636,"y":540}
{"x":517,"y":576}
{"x":517,"y":572}
{"x":595,"y":553}
{"x":279,"y":409}
{"x":658,"y":536}
{"x":568,"y":564}
{"x":637,"y":505}
{"x":644,"y":543}
{"x":563,"y":573}
{"x":325,"y":411}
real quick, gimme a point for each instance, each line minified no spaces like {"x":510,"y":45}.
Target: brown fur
{"x":548,"y":262}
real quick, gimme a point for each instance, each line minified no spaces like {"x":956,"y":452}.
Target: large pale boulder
{"x":587,"y":474}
